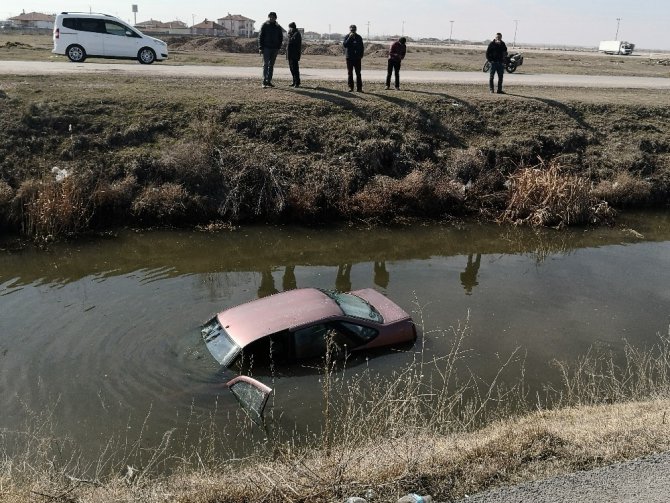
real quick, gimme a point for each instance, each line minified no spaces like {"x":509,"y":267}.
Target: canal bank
{"x":82,"y":153}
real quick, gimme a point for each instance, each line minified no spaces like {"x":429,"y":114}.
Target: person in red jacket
{"x":396,"y":55}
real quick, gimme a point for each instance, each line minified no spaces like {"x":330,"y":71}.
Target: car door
{"x":253,"y":396}
{"x":120,"y":41}
{"x":90,"y":35}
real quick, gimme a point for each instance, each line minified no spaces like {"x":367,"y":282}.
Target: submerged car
{"x":294,"y":325}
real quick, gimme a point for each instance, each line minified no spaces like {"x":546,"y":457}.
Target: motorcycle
{"x":511,"y":62}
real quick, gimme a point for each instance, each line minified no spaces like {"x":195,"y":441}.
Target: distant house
{"x":311,"y":35}
{"x":174,"y":27}
{"x":33,"y":20}
{"x":237,"y":25}
{"x":209,"y":28}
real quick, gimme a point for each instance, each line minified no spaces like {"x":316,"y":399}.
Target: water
{"x":101,"y":336}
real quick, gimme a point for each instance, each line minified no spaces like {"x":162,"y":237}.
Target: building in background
{"x":237,"y":25}
{"x":33,"y":20}
{"x":209,"y":28}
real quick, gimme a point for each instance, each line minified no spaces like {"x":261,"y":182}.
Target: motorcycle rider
{"x":495,"y":54}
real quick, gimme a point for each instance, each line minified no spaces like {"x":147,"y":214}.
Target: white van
{"x":80,"y":35}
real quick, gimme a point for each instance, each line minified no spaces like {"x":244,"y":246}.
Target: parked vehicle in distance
{"x":512,"y":61}
{"x":80,"y":35}
{"x":616,"y":47}
{"x":302,"y":324}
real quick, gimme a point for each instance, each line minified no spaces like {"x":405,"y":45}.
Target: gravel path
{"x":641,"y":480}
{"x":339,"y":74}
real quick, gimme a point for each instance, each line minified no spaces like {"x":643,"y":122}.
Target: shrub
{"x":542,"y":196}
{"x":167,"y":203}
{"x":624,"y":190}
{"x":50,"y":209}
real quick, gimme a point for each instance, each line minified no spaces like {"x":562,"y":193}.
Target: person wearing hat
{"x":396,"y":55}
{"x":270,"y":40}
{"x":293,"y":50}
{"x":353,"y":53}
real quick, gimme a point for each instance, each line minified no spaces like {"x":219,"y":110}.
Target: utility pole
{"x":618,"y":20}
{"x":516,"y":23}
{"x":328,"y":32}
{"x":451,"y":31}
{"x":368,"y":31}
{"x":402,"y":33}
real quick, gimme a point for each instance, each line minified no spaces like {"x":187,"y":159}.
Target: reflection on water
{"x":106,"y":331}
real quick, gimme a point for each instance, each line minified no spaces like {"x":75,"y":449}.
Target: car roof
{"x":259,"y":318}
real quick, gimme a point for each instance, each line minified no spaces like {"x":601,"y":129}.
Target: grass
{"x":432,"y":429}
{"x":158,"y":152}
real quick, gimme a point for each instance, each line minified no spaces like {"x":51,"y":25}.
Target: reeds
{"x":547,"y":196}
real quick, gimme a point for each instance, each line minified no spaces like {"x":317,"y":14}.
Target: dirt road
{"x":339,"y":74}
{"x":644,"y":479}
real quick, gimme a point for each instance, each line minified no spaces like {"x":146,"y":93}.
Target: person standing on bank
{"x":293,"y":50}
{"x":270,"y":40}
{"x":495,"y":54}
{"x":353,"y":53}
{"x":396,"y":55}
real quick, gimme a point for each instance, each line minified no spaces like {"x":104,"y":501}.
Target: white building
{"x":237,"y":25}
{"x":33,"y":20}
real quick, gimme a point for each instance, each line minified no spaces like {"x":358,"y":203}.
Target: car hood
{"x":390,"y":311}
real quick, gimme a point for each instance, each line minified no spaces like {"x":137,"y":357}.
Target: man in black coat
{"x":270,"y":40}
{"x":495,"y":54}
{"x":353,"y":53}
{"x":293,"y":50}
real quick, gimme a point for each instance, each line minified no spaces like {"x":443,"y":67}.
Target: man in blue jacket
{"x":353,"y":53}
{"x":270,"y":40}
{"x":495,"y":54}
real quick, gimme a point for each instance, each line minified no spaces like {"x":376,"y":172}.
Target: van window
{"x":84,"y":24}
{"x":113,"y":28}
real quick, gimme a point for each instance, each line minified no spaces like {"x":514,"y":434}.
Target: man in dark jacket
{"x":495,"y":54}
{"x":353,"y":53}
{"x":396,"y":55}
{"x":293,"y":50}
{"x":270,"y":40}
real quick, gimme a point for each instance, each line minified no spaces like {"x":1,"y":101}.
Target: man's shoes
{"x":500,"y":91}
{"x":296,"y":85}
{"x":292,"y":85}
{"x":388,"y":87}
{"x":397,"y":88}
{"x":270,"y":84}
{"x":359,"y":90}
{"x":265,"y":86}
{"x":491,"y":91}
{"x":351,"y":89}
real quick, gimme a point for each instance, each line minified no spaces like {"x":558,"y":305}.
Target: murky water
{"x":103,"y":335}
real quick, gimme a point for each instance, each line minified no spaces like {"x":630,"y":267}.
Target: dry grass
{"x":625,"y":189}
{"x":52,"y":209}
{"x":547,"y":196}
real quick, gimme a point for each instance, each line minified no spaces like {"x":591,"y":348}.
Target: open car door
{"x":252,"y":395}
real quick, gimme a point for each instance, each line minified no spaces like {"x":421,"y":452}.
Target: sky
{"x":562,"y":23}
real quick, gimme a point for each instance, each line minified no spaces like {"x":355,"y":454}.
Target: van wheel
{"x":146,"y":56}
{"x":76,"y":53}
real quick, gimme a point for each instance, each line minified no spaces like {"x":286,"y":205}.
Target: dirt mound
{"x":212,"y":44}
{"x":322,"y":49}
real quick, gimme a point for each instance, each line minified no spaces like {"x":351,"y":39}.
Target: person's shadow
{"x":381,"y":274}
{"x":469,"y":276}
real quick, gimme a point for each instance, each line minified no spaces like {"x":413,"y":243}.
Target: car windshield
{"x":355,"y":306}
{"x":219,"y":343}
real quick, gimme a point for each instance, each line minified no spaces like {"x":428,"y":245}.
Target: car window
{"x":355,"y":306}
{"x":360,"y":332}
{"x":113,"y":28}
{"x":252,"y":395}
{"x":310,"y":342}
{"x":93,"y":25}
{"x":219,"y":343}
